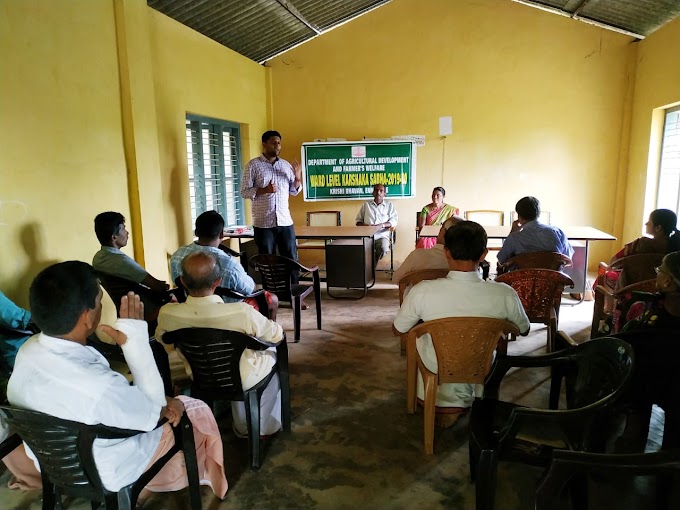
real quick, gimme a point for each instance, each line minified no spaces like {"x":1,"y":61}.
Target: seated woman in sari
{"x":662,"y":308}
{"x":655,"y":358}
{"x":665,"y":238}
{"x":435,"y":213}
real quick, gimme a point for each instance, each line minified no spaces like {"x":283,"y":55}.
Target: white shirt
{"x":421,"y":258}
{"x":460,"y":294}
{"x":212,"y":312}
{"x":374,"y":214}
{"x":74,"y":382}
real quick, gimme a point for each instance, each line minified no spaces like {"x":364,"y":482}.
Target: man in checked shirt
{"x":267,"y":181}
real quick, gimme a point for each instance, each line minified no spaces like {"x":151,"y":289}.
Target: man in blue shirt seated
{"x":14,"y":330}
{"x":210,"y":233}
{"x":530,"y":235}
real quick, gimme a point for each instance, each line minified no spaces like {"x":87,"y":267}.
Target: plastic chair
{"x":596,"y":374}
{"x":569,"y":466}
{"x":610,"y":303}
{"x":214,"y":356}
{"x":535,"y":260}
{"x":656,"y":353}
{"x":540,"y":291}
{"x":67,"y":466}
{"x":258,"y":295}
{"x":409,"y":280}
{"x":117,"y":287}
{"x":631,"y":269}
{"x":464,"y":348}
{"x":276,"y":274}
{"x":486,"y":217}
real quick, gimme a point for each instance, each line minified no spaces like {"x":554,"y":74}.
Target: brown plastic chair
{"x":535,"y":260}
{"x":632,"y":269}
{"x":613,"y":299}
{"x":464,"y":348}
{"x":540,"y":291}
{"x":409,"y":280}
{"x":276,"y":272}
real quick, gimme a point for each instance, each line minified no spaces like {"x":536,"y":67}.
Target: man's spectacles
{"x":658,"y":269}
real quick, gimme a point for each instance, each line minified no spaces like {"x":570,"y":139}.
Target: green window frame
{"x":214,"y":168}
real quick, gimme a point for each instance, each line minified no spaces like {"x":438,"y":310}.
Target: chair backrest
{"x":486,"y":217}
{"x":275,"y":272}
{"x":539,"y":290}
{"x":214,"y":356}
{"x":636,"y":268}
{"x":414,"y":277}
{"x":599,"y":371}
{"x":544,"y":217}
{"x":464,"y":345}
{"x":324,"y":219}
{"x":537,"y":260}
{"x":117,"y":287}
{"x":63,"y":449}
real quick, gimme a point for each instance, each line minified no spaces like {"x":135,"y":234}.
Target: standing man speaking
{"x":267,"y":181}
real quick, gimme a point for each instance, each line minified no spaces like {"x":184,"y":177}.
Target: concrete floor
{"x":352,"y":444}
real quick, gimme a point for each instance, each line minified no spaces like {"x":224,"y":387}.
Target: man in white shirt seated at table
{"x":56,"y":373}
{"x":378,"y":212}
{"x":422,"y":258}
{"x":462,"y":293}
{"x":203,"y":309}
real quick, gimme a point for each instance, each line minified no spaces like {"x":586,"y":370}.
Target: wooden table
{"x":364,"y":238}
{"x":579,"y":268}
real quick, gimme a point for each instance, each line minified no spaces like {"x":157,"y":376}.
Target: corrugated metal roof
{"x":262,"y":29}
{"x":637,"y":18}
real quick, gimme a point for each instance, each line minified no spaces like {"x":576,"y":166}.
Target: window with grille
{"x":668,"y":196}
{"x":214,"y":164}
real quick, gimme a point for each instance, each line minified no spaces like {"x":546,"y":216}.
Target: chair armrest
{"x":637,"y":462}
{"x":502,"y":364}
{"x":306,"y":269}
{"x":9,"y":444}
{"x":564,"y":340}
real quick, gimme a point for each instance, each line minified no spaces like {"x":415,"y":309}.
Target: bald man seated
{"x":201,"y":275}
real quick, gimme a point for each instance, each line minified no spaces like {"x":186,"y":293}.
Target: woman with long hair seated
{"x":665,"y":237}
{"x":435,"y":213}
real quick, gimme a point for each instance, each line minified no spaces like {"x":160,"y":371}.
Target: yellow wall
{"x":193,"y":74}
{"x":62,"y":158}
{"x":537,"y":102}
{"x":93,"y":98}
{"x":657,"y":85}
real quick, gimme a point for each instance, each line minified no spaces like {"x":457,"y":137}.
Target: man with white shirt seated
{"x":462,"y":293}
{"x":201,"y":272}
{"x":423,"y":258}
{"x":56,"y":373}
{"x":378,"y":212}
